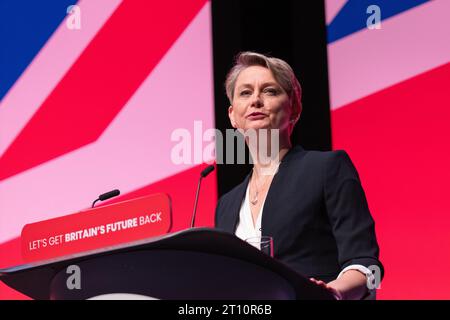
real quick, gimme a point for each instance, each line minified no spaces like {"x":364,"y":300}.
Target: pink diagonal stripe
{"x":102,"y":80}
{"x":407,"y":44}
{"x":48,"y":68}
{"x":332,"y":8}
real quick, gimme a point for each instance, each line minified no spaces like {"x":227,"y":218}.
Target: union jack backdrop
{"x":390,"y":109}
{"x":89,"y":105}
{"x":84,"y":111}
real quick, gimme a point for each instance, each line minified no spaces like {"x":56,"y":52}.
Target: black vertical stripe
{"x":288,"y":29}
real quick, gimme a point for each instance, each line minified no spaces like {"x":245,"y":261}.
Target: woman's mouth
{"x":256,"y":116}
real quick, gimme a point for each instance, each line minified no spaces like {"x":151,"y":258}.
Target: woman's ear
{"x":231,"y":116}
{"x":295,"y":114}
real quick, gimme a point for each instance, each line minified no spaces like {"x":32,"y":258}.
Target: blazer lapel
{"x":272,"y":202}
{"x":230,"y":223}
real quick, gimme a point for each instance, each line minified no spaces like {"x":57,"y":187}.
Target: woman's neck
{"x":267,"y":156}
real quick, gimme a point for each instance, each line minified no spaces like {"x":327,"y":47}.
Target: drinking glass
{"x":263,"y":243}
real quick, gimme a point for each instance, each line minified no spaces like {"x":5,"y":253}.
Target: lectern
{"x":197,"y":263}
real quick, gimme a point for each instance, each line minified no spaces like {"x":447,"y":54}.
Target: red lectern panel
{"x":96,"y":228}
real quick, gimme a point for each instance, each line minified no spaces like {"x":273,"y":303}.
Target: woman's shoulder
{"x":335,"y":165}
{"x":316,"y":158}
{"x":298,"y":163}
{"x":319,"y":166}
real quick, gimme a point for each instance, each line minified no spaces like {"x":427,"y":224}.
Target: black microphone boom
{"x":107,"y":195}
{"x":203,"y":174}
{"x":110,"y":194}
{"x":207,"y":171}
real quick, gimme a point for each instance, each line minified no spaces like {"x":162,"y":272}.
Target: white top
{"x":246,"y":229}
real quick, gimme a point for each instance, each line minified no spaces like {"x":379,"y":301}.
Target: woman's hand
{"x":351,"y":285}
{"x":335,"y":292}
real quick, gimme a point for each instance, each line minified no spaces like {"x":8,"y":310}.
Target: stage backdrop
{"x":390,"y":109}
{"x":88,"y":106}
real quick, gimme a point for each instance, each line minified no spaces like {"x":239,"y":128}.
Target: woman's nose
{"x":256,"y":101}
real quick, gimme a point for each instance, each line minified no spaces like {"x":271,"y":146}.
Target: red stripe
{"x":398,"y":139}
{"x":99,"y":84}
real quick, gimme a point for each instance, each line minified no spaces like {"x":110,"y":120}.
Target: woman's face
{"x":259,"y":102}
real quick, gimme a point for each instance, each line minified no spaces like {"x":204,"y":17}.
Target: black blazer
{"x":315,"y":210}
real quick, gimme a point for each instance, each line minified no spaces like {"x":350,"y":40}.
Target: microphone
{"x":207,"y":171}
{"x":106,"y":196}
{"x":203,"y":174}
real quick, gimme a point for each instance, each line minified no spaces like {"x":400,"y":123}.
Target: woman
{"x":310,"y":202}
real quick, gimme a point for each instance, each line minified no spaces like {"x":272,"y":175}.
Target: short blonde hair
{"x":280,"y":69}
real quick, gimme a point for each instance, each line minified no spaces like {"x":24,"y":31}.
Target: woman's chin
{"x":257,"y":125}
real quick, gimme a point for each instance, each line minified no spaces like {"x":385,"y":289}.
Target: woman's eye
{"x":245,"y":93}
{"x":271,"y":91}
